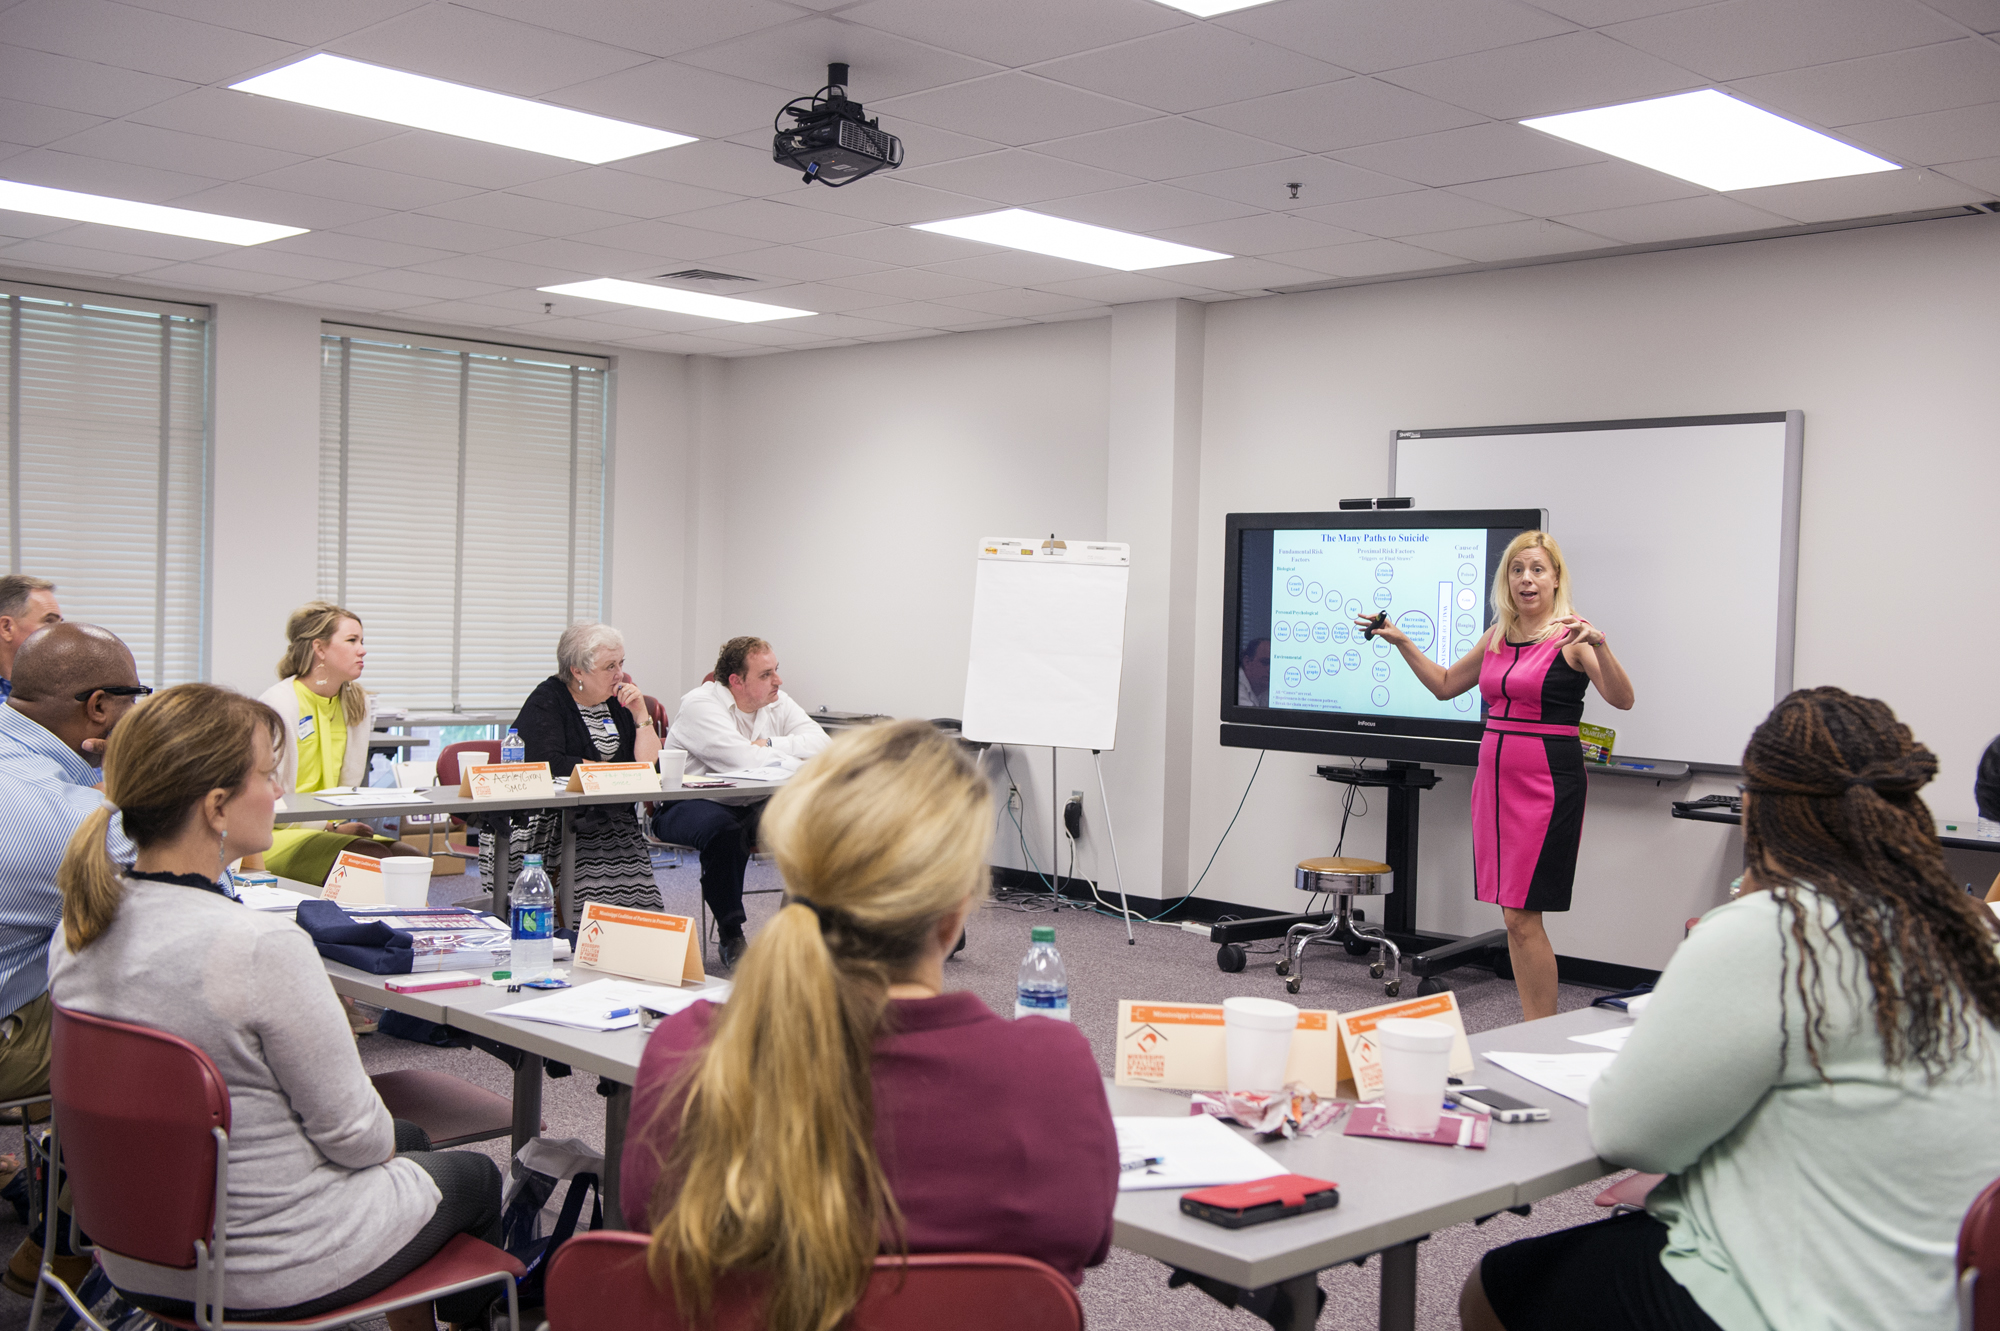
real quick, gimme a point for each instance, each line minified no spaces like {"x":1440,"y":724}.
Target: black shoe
{"x":731,"y":949}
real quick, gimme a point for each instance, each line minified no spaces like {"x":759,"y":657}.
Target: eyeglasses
{"x":116,"y":691}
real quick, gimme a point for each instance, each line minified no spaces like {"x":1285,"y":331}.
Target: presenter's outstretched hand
{"x":1577,"y":629}
{"x":1388,"y":633}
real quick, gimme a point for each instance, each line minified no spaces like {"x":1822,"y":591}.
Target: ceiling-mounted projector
{"x":829,"y":140}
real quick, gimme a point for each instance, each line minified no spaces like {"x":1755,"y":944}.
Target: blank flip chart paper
{"x":1048,"y":643}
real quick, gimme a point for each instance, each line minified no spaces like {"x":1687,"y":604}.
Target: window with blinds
{"x":461,"y":509}
{"x":107,"y":465}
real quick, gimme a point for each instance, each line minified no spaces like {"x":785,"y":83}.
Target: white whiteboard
{"x":1682,"y":542}
{"x":1048,"y":643}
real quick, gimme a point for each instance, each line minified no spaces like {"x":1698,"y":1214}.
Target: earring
{"x":222,"y":848}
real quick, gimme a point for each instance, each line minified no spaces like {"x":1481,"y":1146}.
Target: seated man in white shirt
{"x":740,"y":719}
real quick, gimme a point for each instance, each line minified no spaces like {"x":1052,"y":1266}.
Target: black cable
{"x":1182,"y":900}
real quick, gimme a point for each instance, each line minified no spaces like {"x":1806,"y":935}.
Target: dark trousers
{"x":724,"y":835}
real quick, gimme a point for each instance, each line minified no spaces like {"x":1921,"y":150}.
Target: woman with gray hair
{"x":589,"y":712}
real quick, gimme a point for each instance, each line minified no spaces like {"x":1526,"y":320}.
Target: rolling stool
{"x":1343,"y":878}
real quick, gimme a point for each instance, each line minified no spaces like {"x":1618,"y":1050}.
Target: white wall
{"x":645,"y":574}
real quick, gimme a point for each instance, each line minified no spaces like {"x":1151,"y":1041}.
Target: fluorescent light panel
{"x":401,"y":98}
{"x":1038,"y":233}
{"x":1712,"y":139}
{"x":47,"y":202}
{"x":698,"y":303}
{"x":1210,"y":8}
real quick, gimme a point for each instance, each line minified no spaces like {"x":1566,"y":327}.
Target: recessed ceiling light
{"x":1038,"y":233}
{"x":1712,"y":139}
{"x":1210,"y":8}
{"x":402,"y":98}
{"x":21,"y":198}
{"x":699,"y":303}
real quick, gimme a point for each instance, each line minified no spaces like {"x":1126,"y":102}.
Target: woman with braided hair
{"x":1815,"y":1074}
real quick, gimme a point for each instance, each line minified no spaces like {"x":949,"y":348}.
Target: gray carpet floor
{"x":1129,"y":1292}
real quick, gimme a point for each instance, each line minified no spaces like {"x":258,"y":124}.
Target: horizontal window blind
{"x":107,"y":465}
{"x":462,"y":509}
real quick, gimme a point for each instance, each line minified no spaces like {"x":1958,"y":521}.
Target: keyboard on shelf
{"x":1732,"y":803}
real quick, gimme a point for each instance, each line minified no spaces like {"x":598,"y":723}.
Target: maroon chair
{"x":486,"y":750}
{"x":1978,"y":1251}
{"x":149,"y":1176}
{"x":599,"y":1280}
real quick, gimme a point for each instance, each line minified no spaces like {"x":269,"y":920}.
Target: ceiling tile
{"x":1411,"y":213}
{"x":914,"y":284}
{"x":1982,"y":174}
{"x":92,"y":175}
{"x":1979,"y":15}
{"x":1020,"y":32}
{"x":447,"y":41}
{"x":1016,"y":176}
{"x":539,"y":217}
{"x":1165,"y":149}
{"x":478,"y":316}
{"x":1563,"y":73}
{"x":1676,"y":219}
{"x":890,"y":200}
{"x":1339,"y":115}
{"x":1480,"y":152}
{"x":899,"y":246}
{"x":923,"y":145}
{"x":1017,"y":268}
{"x":823,"y":297}
{"x":1598,"y":13}
{"x":1234,"y":275}
{"x":924,"y":314}
{"x":461,"y":161}
{"x":113,"y":34}
{"x":780,"y":335}
{"x":304,"y":267}
{"x":667,"y":238}
{"x":365,"y":184}
{"x":124,"y":240}
{"x":718,"y":166}
{"x":80,"y":85}
{"x":1941,"y":136}
{"x":437,"y":233}
{"x":1371,"y":258}
{"x":147,"y":145}
{"x":683,"y":344}
{"x":1259,"y":233}
{"x":1880,"y":87}
{"x":1320,"y":180}
{"x":609,"y":190}
{"x":574,"y":255}
{"x":1880,"y":195}
{"x":432,"y":285}
{"x":344,"y":297}
{"x":515,"y":274}
{"x":208,"y":277}
{"x":71,"y":259}
{"x":1575,"y":189}
{"x":796,"y":55}
{"x":1372,"y":35}
{"x":1512,"y":240}
{"x":670,"y":95}
{"x":1014,"y":109}
{"x":1124,"y":288}
{"x":1739,"y":38}
{"x":357,"y":249}
{"x":29,"y":125}
{"x":646,"y":25}
{"x":1190,"y":67}
{"x":799,"y":263}
{"x":308,"y":22}
{"x":241,"y":117}
{"x":30,"y":226}
{"x":769,"y":220}
{"x":847,"y":325}
{"x":1146,"y":208}
{"x":284,"y":207}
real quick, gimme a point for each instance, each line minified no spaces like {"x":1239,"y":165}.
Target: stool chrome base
{"x":1358,"y":939}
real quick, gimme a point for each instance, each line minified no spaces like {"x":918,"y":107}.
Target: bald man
{"x":27,"y":604}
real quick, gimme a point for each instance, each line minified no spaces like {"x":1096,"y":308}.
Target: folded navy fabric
{"x":373,"y":947}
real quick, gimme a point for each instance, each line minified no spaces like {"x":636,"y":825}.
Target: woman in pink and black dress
{"x":1532,"y":668}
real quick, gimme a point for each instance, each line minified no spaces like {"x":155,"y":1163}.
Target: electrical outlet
{"x":1076,"y":797}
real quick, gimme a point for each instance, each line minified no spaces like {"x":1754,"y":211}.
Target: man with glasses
{"x":27,"y":605}
{"x":72,"y":684}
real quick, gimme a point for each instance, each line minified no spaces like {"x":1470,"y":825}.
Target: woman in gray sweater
{"x":330,"y":1200}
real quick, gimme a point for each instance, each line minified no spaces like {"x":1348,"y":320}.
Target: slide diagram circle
{"x":1380,"y":697}
{"x":1292,"y":676}
{"x":1417,"y":626}
{"x":1463,"y":625}
{"x":1353,"y":609}
{"x":1313,"y":591}
{"x":1302,"y":631}
{"x":1381,"y":672}
{"x":1381,"y":648}
{"x":1294,"y":585}
{"x":1467,"y":598}
{"x":1384,"y":572}
{"x":1463,"y":702}
{"x":1461,"y":647}
{"x":1312,"y":670}
{"x":1341,"y":633}
{"x":1351,"y":659}
{"x":1467,"y":574}
{"x":1322,"y":631}
{"x":1333,"y":665}
{"x":1383,"y":596}
{"x":1281,"y":632}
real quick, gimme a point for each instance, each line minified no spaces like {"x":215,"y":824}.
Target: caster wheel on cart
{"x":1292,"y":985}
{"x":1429,"y":985}
{"x":1375,"y":971}
{"x":1231,"y":957}
{"x":1355,"y":949}
{"x":1393,"y":988}
{"x":1284,"y":966}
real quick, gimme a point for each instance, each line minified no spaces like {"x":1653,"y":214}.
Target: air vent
{"x":701,"y":275}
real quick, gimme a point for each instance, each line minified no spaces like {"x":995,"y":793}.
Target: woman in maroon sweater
{"x":841,"y":1104}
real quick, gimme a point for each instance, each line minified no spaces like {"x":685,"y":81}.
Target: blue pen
{"x":617,"y":1012}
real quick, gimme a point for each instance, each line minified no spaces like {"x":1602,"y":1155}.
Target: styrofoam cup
{"x":1258,"y":1033}
{"x":673,"y":765}
{"x":1416,"y":1058}
{"x":406,"y":880}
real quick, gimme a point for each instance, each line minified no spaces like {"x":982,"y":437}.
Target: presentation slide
{"x":1431,"y":580}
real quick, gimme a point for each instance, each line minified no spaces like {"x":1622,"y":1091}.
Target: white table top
{"x":309,"y":808}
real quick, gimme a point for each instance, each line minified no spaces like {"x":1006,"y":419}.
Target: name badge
{"x":306,"y":727}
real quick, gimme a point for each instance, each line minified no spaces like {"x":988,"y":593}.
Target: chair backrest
{"x":1979,"y":1253}
{"x":599,"y":1279}
{"x":483,"y":750}
{"x":136,"y":1111}
{"x":658,"y":711}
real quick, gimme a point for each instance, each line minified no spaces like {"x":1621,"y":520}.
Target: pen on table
{"x":617,"y":1012}
{"x":1143,"y":1162}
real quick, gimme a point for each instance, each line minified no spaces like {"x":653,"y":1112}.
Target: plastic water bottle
{"x":1043,"y":990}
{"x":534,"y":911}
{"x":512,"y":750}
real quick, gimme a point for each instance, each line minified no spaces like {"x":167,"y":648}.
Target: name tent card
{"x":644,"y":944}
{"x":615,"y":779}
{"x":1359,"y":1059}
{"x":355,"y":880}
{"x":506,"y":781}
{"x":1185,"y":1047}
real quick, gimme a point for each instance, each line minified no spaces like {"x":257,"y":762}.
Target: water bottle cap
{"x":1042,"y":933}
{"x":536,"y":860}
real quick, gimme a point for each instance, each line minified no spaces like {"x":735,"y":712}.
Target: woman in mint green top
{"x":1815,"y":1073}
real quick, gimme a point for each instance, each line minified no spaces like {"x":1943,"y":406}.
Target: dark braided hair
{"x":1833,"y":811}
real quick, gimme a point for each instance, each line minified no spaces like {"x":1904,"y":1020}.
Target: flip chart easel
{"x":1048,"y":649}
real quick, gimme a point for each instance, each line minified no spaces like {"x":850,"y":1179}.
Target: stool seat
{"x":1344,"y":876}
{"x":1343,"y":864}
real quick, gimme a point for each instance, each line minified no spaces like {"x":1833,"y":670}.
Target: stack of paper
{"x":1568,"y":1075}
{"x":1194,"y":1152}
{"x":607,"y":1005}
{"x":376,"y":795}
{"x":258,"y":896}
{"x":445,"y":937}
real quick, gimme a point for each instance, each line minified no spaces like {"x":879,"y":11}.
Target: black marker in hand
{"x":1375,"y":624}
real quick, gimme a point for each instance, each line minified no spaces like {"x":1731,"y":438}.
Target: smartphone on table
{"x":1502,"y":1108}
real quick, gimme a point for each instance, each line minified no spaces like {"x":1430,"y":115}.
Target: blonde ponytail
{"x":773,"y":1170}
{"x":91,"y":884}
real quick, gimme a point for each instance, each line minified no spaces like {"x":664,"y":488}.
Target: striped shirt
{"x":45,"y":789}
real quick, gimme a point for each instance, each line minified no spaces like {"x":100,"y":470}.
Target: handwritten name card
{"x":615,"y":779}
{"x":506,"y":781}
